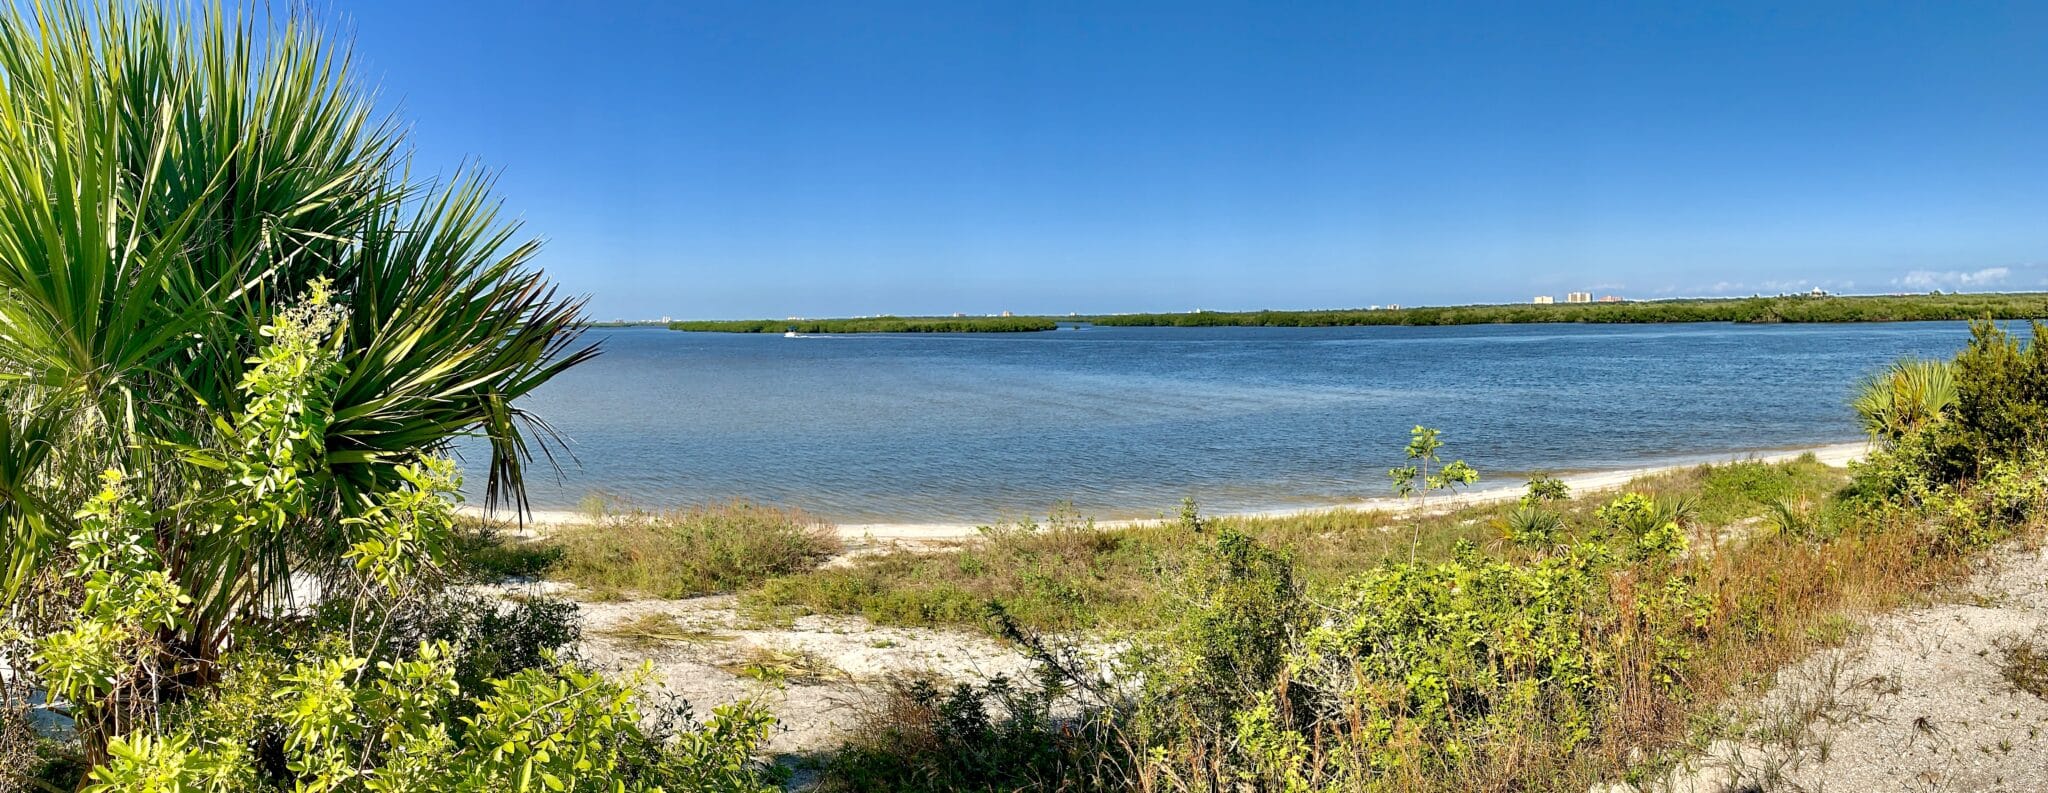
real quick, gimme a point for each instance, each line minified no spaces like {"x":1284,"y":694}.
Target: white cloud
{"x":1932,"y":279}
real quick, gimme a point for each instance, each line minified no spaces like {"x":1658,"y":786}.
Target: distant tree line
{"x":873,"y":325}
{"x":1881,"y":308}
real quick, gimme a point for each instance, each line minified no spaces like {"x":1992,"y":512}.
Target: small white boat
{"x":789,"y":334}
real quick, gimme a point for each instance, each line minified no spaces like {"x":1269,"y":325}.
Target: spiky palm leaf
{"x":1904,"y":397}
{"x":168,"y":179}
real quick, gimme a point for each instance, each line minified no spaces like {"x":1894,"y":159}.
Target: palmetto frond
{"x":168,"y":179}
{"x":1906,"y":396}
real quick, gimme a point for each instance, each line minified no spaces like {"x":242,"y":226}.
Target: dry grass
{"x":2023,"y":664}
{"x":779,"y":666}
{"x":691,"y":552}
{"x":654,"y":630}
{"x":1066,"y":573}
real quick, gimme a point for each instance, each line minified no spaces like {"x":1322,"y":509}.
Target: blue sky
{"x":765,"y":159}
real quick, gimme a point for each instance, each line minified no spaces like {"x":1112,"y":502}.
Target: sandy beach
{"x":1840,"y":454}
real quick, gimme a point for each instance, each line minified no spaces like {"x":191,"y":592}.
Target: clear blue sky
{"x":763,"y":159}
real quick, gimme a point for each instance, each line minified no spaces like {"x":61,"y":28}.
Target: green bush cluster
{"x":393,"y":683}
{"x":1974,"y":454}
{"x":323,"y":719}
{"x":995,"y":735}
{"x":1413,"y":671}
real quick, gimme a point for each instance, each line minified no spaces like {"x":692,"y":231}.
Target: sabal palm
{"x":168,"y":179}
{"x":1906,"y":396}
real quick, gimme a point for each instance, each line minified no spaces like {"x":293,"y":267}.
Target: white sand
{"x":1590,"y":482}
{"x":1916,"y":701}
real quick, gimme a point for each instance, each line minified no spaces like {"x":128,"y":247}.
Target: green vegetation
{"x":236,"y":340}
{"x":1906,"y":396}
{"x":691,"y":552}
{"x":1545,"y":645}
{"x":874,"y":325}
{"x":1067,"y":574}
{"x":1877,"y":308}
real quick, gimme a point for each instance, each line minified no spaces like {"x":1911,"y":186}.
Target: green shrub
{"x":327,"y":720}
{"x":2001,"y":402}
{"x":693,"y":552}
{"x":997,"y":735}
{"x":485,"y":554}
{"x":1531,"y":527}
{"x":492,"y":638}
{"x":1905,"y":397}
{"x":1545,"y":488}
{"x":1229,"y":630}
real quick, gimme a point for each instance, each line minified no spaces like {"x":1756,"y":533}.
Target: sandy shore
{"x":1589,"y":482}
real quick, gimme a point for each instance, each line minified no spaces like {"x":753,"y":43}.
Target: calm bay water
{"x":1127,"y":421}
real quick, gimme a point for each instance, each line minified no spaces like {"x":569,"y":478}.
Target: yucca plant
{"x":170,"y":178}
{"x":1904,"y":397}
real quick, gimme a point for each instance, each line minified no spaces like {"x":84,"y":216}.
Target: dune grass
{"x":682,"y":553}
{"x":1066,"y":573}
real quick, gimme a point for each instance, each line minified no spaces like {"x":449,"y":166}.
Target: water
{"x":1127,"y":421}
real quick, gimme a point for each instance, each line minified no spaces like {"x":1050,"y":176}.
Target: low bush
{"x":692,"y":552}
{"x":996,"y":735}
{"x":1495,"y":666}
{"x":321,"y":718}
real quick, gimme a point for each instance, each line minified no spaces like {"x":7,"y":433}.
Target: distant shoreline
{"x":1794,"y":309}
{"x":1839,"y":454}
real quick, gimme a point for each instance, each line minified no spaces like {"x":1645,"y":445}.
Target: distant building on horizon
{"x":1578,"y":297}
{"x":1008,"y":314}
{"x":1611,"y":299}
{"x":1817,"y":292}
{"x":1543,"y":300}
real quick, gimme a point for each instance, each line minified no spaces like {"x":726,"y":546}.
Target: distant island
{"x":1786,"y":308}
{"x":873,"y":325}
{"x":1790,"y":308}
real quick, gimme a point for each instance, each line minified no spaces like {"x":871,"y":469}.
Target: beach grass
{"x":682,"y":553}
{"x":1067,"y":573}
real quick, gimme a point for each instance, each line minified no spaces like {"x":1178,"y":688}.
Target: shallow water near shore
{"x":1124,"y":422}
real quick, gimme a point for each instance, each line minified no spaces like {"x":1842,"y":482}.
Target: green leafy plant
{"x":1906,"y":397}
{"x":1423,"y":445}
{"x":179,"y":176}
{"x":1544,"y":488}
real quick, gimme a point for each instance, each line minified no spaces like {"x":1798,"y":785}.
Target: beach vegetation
{"x":1906,"y":396}
{"x":237,"y":339}
{"x":1544,"y":488}
{"x":1423,"y":445}
{"x":1066,"y":573}
{"x":1533,"y":665}
{"x":681,"y":553}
